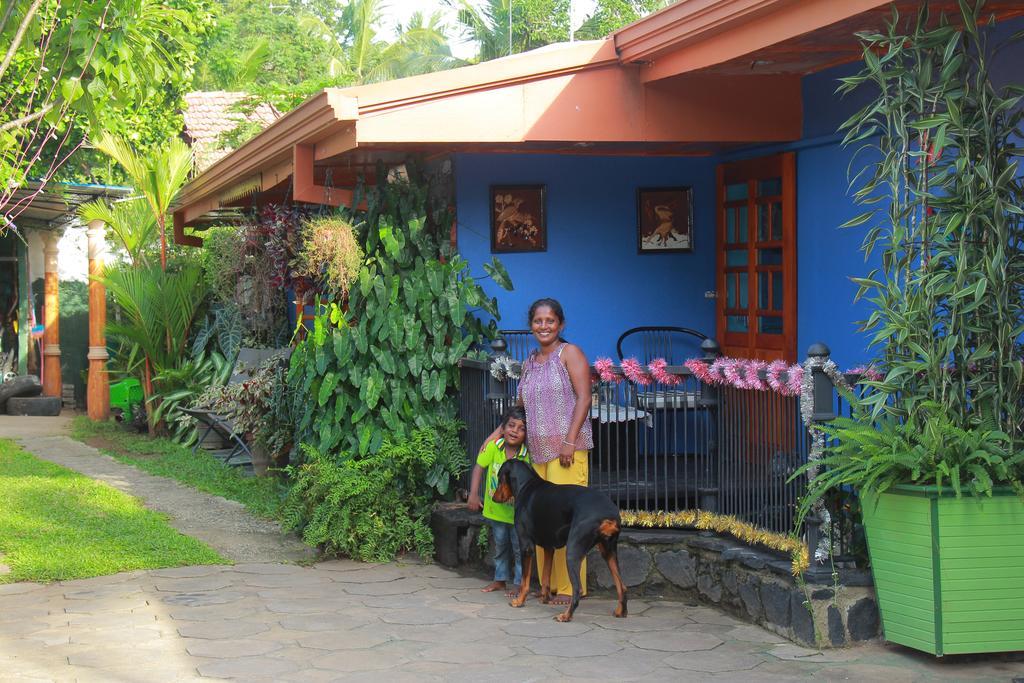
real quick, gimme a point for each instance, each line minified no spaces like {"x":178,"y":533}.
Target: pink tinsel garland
{"x":660,"y":375}
{"x":741,"y":373}
{"x":635,"y":372}
{"x":604,"y":370}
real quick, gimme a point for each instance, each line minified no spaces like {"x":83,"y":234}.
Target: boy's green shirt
{"x":491,"y":459}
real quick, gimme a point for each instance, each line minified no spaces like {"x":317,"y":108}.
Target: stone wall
{"x":751,"y":584}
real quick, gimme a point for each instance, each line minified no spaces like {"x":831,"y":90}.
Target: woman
{"x":555,"y":390}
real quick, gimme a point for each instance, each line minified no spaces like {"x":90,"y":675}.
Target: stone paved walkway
{"x":342,"y":620}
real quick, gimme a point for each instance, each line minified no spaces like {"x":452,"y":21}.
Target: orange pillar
{"x":98,"y":392}
{"x":51,"y":318}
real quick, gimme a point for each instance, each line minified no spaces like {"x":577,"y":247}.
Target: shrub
{"x":375,"y":507}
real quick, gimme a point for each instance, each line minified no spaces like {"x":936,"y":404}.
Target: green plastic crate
{"x":125,"y":396}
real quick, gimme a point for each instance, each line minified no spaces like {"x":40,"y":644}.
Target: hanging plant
{"x":330,"y":253}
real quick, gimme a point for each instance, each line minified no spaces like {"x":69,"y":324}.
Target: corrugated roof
{"x":208,"y":115}
{"x":52,"y":206}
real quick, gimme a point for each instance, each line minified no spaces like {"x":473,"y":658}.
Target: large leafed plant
{"x":385,"y":361}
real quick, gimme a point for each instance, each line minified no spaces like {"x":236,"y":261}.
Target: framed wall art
{"x":517,"y":218}
{"x":664,"y":220}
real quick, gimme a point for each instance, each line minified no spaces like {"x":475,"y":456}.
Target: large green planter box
{"x":949,"y":572}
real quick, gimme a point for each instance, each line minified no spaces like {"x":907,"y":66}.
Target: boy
{"x":512,"y":444}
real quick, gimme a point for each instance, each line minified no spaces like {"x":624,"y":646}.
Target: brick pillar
{"x":98,"y":392}
{"x":51,"y":318}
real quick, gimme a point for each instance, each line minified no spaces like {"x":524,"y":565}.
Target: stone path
{"x":223,"y":524}
{"x":342,"y":620}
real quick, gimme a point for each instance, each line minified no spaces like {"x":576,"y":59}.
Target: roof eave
{"x":312,"y":120}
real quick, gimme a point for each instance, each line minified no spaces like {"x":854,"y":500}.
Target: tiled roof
{"x":208,"y":115}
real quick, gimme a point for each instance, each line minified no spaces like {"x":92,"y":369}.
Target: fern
{"x":929,"y":449}
{"x":373,"y":508}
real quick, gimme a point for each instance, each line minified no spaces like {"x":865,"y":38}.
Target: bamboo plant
{"x":942,"y":197}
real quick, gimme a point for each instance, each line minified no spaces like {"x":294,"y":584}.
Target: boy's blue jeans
{"x":507,"y":563}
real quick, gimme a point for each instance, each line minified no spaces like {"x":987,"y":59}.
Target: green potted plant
{"x":935,"y":446}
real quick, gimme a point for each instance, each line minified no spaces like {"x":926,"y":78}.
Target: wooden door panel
{"x":756,"y":257}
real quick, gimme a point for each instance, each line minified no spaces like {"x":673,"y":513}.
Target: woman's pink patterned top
{"x":549,"y":398}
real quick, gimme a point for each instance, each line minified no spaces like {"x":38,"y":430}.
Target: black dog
{"x":554,"y":516}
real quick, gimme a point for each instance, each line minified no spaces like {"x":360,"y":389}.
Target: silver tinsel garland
{"x":824,"y":364}
{"x":504,"y":367}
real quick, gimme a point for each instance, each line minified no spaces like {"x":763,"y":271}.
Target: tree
{"x":338,"y":45}
{"x":238,"y":53}
{"x":157,"y":175}
{"x":533,"y":24}
{"x":610,"y":15}
{"x":71,"y":67}
{"x":131,"y":222}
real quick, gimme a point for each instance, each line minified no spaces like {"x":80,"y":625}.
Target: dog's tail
{"x":609,"y":528}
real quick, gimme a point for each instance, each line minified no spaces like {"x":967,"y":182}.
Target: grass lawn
{"x":56,"y":524}
{"x":260,"y":495}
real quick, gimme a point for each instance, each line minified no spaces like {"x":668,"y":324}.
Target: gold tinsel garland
{"x":724,"y":524}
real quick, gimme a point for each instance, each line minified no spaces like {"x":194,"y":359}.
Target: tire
{"x":36,"y":406}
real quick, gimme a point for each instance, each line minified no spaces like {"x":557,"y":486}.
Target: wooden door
{"x":757,"y":258}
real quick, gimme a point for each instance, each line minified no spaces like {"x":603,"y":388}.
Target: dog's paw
{"x":619,"y":613}
{"x":563,"y":617}
{"x":516,"y":603}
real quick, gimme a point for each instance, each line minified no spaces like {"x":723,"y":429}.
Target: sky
{"x":397,"y":11}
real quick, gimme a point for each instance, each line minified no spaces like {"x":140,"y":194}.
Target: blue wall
{"x":591,"y":265}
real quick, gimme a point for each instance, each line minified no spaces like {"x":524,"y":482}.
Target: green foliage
{"x":223,"y":329}
{"x":223,"y":259}
{"x":262,"y":496}
{"x":534,"y":23}
{"x":374,"y":507}
{"x":945,"y":201}
{"x":237,"y":55}
{"x":179,"y":387}
{"x":610,"y":15}
{"x":57,"y":525}
{"x":158,"y":310}
{"x":157,"y":174}
{"x":248,"y":302}
{"x":315,"y":45}
{"x":78,"y":66}
{"x":254,"y":406}
{"x":390,"y":364}
{"x":131,"y":223}
{"x":928,"y":448}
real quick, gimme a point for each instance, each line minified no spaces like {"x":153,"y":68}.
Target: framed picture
{"x":517,"y":218}
{"x":664,"y":220}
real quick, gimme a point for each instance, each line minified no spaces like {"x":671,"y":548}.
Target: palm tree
{"x":505,"y":27}
{"x":157,"y":174}
{"x":131,"y":221}
{"x":360,"y":57}
{"x":422,"y":47}
{"x":159,"y":308}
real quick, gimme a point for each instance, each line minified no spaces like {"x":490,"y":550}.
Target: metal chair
{"x":675,"y":344}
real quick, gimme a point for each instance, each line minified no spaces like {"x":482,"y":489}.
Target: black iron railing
{"x":686,"y":446}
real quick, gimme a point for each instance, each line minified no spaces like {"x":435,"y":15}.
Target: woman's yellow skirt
{"x":578,"y":473}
